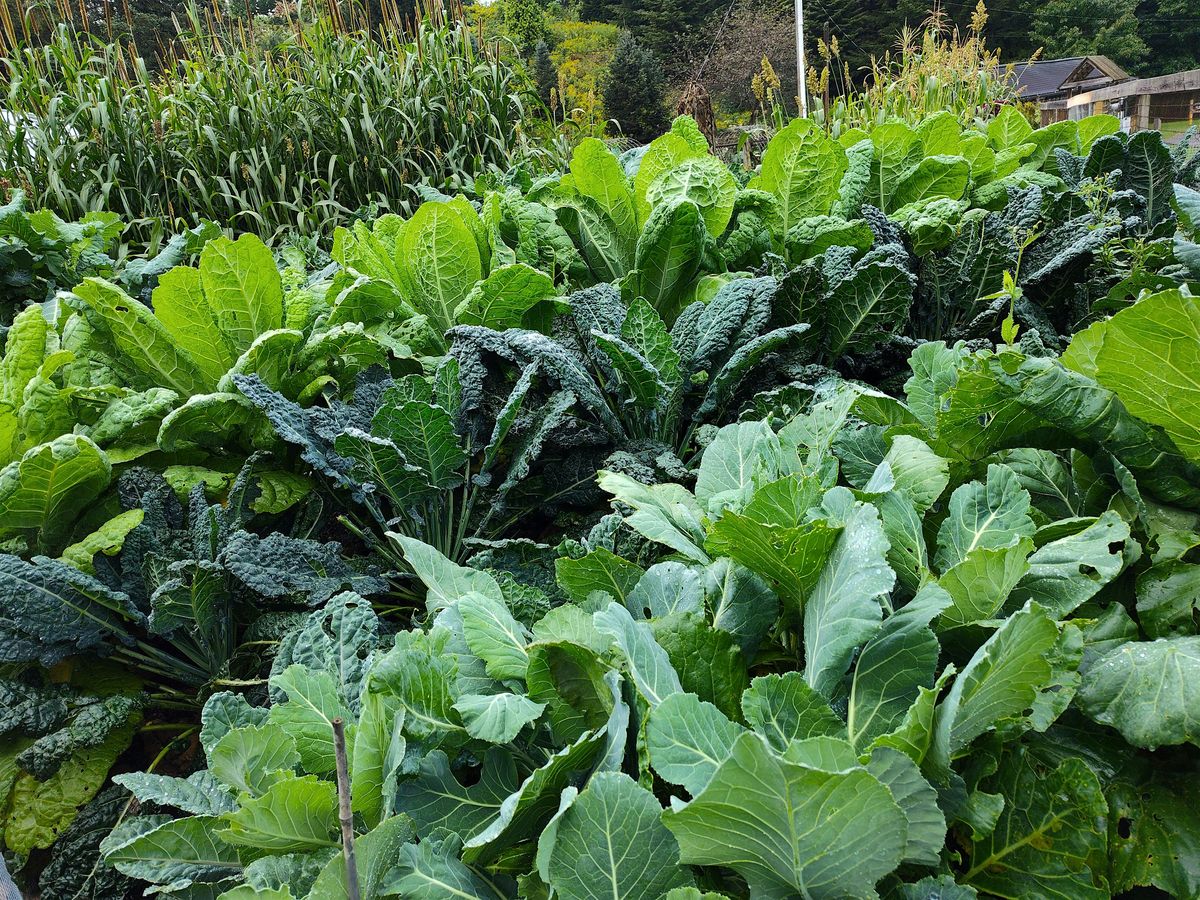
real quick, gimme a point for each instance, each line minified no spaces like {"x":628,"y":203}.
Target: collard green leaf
{"x":989,"y":515}
{"x":165,"y":851}
{"x":892,"y":668}
{"x":431,"y":870}
{"x":496,"y":718}
{"x":783,"y":708}
{"x":1050,"y":835}
{"x":251,"y":758}
{"x":741,"y":603}
{"x":787,"y":828}
{"x":436,"y":799}
{"x":495,"y":636}
{"x":612,"y":835}
{"x":687,"y":740}
{"x":599,"y":570}
{"x":649,"y":664}
{"x":200,"y":794}
{"x":845,"y":607}
{"x":1147,"y":690}
{"x":525,"y":812}
{"x":375,"y":854}
{"x":379,"y":749}
{"x":914,"y":795}
{"x":707,"y":660}
{"x":1166,"y":327}
{"x":1000,"y":682}
{"x":307,"y":715}
{"x":1154,"y":830}
{"x":295,"y":813}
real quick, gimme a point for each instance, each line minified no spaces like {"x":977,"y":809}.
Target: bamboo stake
{"x":345,"y":814}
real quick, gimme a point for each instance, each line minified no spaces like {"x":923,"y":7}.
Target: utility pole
{"x":801,"y":80}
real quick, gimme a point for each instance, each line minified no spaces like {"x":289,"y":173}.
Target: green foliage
{"x":651,"y":532}
{"x":524,"y":22}
{"x":634,"y":92}
{"x":261,"y":142}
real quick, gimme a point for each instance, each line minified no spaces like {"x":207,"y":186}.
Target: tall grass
{"x":934,"y":68}
{"x":334,"y":118}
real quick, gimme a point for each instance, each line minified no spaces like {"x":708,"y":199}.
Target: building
{"x":1166,"y":103}
{"x":1051,"y":82}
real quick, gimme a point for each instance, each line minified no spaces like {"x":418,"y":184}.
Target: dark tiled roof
{"x":1044,"y":77}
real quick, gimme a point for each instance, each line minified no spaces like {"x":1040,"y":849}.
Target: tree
{"x":545,"y":73}
{"x":634,"y":91}
{"x":1082,"y":27}
{"x":525,"y":23}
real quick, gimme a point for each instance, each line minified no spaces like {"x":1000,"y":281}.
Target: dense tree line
{"x":1147,"y":37}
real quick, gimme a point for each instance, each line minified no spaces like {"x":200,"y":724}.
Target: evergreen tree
{"x":634,"y":91}
{"x":545,"y":73}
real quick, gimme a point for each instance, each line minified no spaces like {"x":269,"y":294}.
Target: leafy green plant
{"x":174,"y":603}
{"x":886,"y":627}
{"x":40,"y":253}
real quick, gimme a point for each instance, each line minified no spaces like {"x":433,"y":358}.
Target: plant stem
{"x":345,"y":811}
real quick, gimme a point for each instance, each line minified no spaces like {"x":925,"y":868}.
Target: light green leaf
{"x":252,"y":758}
{"x":1147,"y":690}
{"x":307,"y":716}
{"x":292,"y":814}
{"x":612,"y":835}
{"x":379,"y":748}
{"x":47,"y":487}
{"x":375,"y":853}
{"x":598,"y":570}
{"x":790,"y":829}
{"x":802,"y":167}
{"x":991,"y":515}
{"x":502,"y":299}
{"x":783,"y":708}
{"x":648,"y":662}
{"x":445,"y":580}
{"x":926,"y":835}
{"x":1001,"y":681}
{"x":525,"y":812}
{"x":494,"y":635}
{"x":687,"y":740}
{"x":431,"y":870}
{"x":1165,"y":327}
{"x":141,"y":340}
{"x":706,"y":182}
{"x":497,"y":718}
{"x":439,"y":262}
{"x":893,"y":667}
{"x":1068,"y":572}
{"x":845,"y":607}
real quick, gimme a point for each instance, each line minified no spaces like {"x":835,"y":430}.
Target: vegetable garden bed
{"x":659,"y":530}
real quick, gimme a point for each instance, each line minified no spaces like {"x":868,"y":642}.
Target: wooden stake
{"x":344,"y":810}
